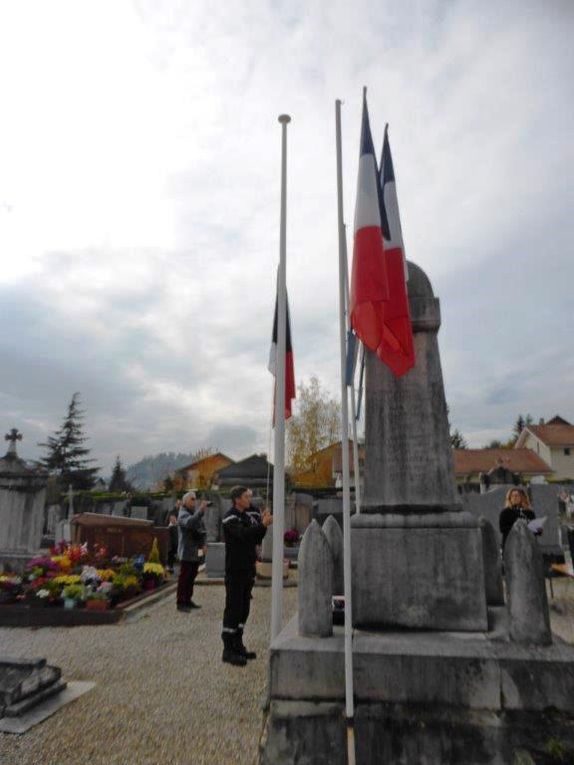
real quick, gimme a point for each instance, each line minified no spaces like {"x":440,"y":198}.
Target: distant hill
{"x":149,"y":470}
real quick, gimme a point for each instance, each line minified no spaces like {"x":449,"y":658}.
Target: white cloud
{"x":139,"y":202}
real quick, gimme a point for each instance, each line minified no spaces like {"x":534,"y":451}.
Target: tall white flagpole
{"x":349,"y":702}
{"x":279,"y":447}
{"x":353,"y":393}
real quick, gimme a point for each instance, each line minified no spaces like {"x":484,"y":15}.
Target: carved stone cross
{"x":13,"y":436}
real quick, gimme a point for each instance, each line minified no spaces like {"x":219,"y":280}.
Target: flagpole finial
{"x":284,"y":119}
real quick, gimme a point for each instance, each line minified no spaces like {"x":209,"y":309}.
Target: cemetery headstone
{"x":139,"y":512}
{"x":527,"y":602}
{"x":315,"y":584}
{"x":22,"y":498}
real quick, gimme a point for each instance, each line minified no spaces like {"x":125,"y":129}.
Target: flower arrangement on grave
{"x":291,"y":537}
{"x":153,"y":556}
{"x":10,"y":588}
{"x":153,"y":574}
{"x":73,"y":592}
{"x":125,"y":587}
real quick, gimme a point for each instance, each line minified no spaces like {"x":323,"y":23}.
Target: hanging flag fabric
{"x":351,"y":360}
{"x":396,"y":348}
{"x":290,"y":392}
{"x":369,"y":284}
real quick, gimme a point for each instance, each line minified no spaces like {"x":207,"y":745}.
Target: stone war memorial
{"x":448,"y":667}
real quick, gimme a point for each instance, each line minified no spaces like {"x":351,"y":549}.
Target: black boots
{"x":230,"y":653}
{"x":241,"y":649}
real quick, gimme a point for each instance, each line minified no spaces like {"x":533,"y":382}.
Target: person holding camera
{"x":191,"y":543}
{"x":242,"y":532}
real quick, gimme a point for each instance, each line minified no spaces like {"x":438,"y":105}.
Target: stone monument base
{"x":16,"y":561}
{"x":422,"y":571}
{"x":420,"y":697}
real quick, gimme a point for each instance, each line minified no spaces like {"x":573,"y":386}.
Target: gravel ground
{"x":162,"y":694}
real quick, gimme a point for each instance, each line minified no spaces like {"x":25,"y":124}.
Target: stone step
{"x":24,"y":679}
{"x":24,"y":705}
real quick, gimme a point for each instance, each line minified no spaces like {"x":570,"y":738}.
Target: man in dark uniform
{"x":242,"y":532}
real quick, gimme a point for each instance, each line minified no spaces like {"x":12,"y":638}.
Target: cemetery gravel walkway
{"x":163,"y":696}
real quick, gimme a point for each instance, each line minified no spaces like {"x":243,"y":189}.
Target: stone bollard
{"x":492,"y":564}
{"x":315,"y":564}
{"x":332,"y":531}
{"x":529,"y":619}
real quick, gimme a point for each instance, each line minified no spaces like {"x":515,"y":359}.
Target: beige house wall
{"x":562,"y":464}
{"x":543,"y":451}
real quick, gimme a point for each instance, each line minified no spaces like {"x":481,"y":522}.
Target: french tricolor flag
{"x":289,"y":365}
{"x":396,"y":348}
{"x":369,"y":282}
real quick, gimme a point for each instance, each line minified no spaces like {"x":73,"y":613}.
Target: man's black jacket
{"x":242,"y":532}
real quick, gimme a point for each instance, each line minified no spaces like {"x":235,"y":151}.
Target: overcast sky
{"x":139,"y":205}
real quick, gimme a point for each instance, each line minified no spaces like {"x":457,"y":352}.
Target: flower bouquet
{"x":10,"y":588}
{"x":153,"y":575}
{"x":73,"y":594}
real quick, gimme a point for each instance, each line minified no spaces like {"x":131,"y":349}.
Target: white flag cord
{"x":279,"y":444}
{"x":349,"y":700}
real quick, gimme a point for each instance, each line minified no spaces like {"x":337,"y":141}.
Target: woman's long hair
{"x":524,"y":500}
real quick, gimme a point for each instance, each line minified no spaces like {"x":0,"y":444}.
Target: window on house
{"x":567,"y":451}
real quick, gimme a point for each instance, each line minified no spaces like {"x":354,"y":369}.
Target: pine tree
{"x":67,"y":458}
{"x":457,"y":440}
{"x":118,"y":481}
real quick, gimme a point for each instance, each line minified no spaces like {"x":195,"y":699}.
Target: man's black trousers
{"x":238,"y":586}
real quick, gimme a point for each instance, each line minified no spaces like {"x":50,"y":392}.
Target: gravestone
{"x":139,"y":512}
{"x":544,"y":500}
{"x":326,"y":506}
{"x":53,"y":515}
{"x":303,"y":511}
{"x":488,"y":505}
{"x":215,"y":560}
{"x":22,"y":498}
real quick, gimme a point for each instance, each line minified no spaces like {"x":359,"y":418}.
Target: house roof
{"x":204,"y":459}
{"x":338,"y":458}
{"x":255,"y":467}
{"x":551,"y":434}
{"x":472,"y":461}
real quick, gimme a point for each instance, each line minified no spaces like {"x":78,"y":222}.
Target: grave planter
{"x":149,"y":584}
{"x":97,"y":604}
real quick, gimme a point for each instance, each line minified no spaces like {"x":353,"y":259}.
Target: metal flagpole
{"x":279,"y":447}
{"x":349,"y":702}
{"x":353,"y":394}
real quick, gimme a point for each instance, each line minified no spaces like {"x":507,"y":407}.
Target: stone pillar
{"x":408,"y":457}
{"x":332,"y":531}
{"x":315,"y":565}
{"x":417,"y":559}
{"x":22,"y":500}
{"x":492,"y":564}
{"x":529,"y":619}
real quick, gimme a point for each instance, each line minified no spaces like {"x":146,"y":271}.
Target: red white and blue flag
{"x":379,"y":301}
{"x":396,"y":348}
{"x":369,"y":283}
{"x":290,"y":392}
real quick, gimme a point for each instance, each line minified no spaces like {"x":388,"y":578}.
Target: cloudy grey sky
{"x":139,"y":205}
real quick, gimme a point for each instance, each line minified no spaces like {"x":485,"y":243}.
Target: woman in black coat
{"x":517,"y":506}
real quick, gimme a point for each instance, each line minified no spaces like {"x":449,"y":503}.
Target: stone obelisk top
{"x":408,"y":464}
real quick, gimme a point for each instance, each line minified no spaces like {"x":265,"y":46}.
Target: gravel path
{"x":163,"y":696}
